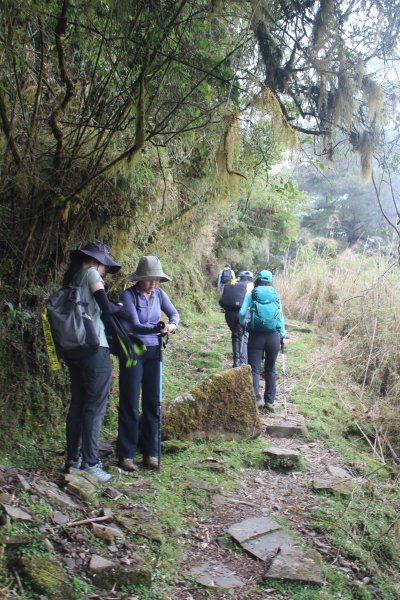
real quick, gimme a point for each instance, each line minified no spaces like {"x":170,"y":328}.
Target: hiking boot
{"x":73,"y":464}
{"x":150,"y":462}
{"x":260,"y":403}
{"x":127,"y":464}
{"x":270,"y":406}
{"x":98,"y":471}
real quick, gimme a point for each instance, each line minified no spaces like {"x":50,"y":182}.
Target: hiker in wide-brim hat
{"x":149,"y":267}
{"x":145,"y":302}
{"x":90,"y":376}
{"x":99,"y":252}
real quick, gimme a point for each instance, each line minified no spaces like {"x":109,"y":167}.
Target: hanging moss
{"x":322,"y":29}
{"x":374,"y":98}
{"x":267,"y":103}
{"x":343,"y":101}
{"x":365,"y":150}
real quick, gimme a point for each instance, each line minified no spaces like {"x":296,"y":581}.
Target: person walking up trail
{"x":263,"y":311}
{"x":225,"y":276}
{"x":144,"y":302}
{"x":231,"y":300}
{"x":90,"y":376}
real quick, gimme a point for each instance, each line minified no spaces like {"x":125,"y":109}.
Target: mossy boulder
{"x":46,"y":576}
{"x":221,"y":407}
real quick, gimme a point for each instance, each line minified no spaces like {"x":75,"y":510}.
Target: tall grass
{"x":355,"y":298}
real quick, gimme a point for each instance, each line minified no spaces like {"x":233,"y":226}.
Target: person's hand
{"x":282,"y":344}
{"x":169,"y":328}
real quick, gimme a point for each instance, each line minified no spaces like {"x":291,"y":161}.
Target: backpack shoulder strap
{"x":134,"y":296}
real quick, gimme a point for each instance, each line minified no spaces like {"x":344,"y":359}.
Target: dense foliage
{"x":146,"y":123}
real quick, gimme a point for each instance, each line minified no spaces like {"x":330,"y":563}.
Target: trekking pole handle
{"x":160,"y":325}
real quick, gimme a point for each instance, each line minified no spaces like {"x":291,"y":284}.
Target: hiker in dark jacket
{"x":145,"y":302}
{"x":265,"y":337}
{"x":90,"y":377}
{"x":231,"y":300}
{"x":225,"y":276}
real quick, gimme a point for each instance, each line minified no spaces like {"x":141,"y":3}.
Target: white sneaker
{"x":270,"y":406}
{"x":97,"y":471}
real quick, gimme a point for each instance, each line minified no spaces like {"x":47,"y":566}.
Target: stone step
{"x":282,"y":458}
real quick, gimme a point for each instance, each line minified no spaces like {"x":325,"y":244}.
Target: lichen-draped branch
{"x":6,"y":126}
{"x":69,"y":86}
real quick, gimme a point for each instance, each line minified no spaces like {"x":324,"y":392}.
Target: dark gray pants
{"x":239,"y":339}
{"x":90,"y":387}
{"x":267,"y":342}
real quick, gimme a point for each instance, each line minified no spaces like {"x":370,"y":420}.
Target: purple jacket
{"x":148,"y":313}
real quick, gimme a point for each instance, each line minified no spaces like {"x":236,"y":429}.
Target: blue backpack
{"x":265,"y":310}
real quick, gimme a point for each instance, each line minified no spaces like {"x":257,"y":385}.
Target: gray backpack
{"x":71,"y":324}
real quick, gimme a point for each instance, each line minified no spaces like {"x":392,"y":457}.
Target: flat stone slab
{"x":278,"y":451}
{"x":267,"y":546}
{"x":98,"y":563}
{"x":296,"y":564}
{"x":17,"y":514}
{"x":289,"y":428}
{"x":251,"y":528}
{"x":337,"y":472}
{"x":216,"y":576}
{"x":53,"y":494}
{"x":334,"y":485}
{"x":284,"y":458}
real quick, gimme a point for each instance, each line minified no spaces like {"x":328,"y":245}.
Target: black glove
{"x":107,"y":307}
{"x":282,"y":344}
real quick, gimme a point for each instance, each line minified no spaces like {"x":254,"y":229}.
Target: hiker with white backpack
{"x":262,"y":311}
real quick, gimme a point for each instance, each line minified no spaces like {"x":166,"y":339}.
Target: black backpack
{"x":121,"y":342}
{"x":66,"y":319}
{"x":226,"y":275}
{"x":233,"y":295}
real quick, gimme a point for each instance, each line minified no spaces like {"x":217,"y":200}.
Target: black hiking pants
{"x":90,"y":387}
{"x":238,"y":337}
{"x":267,"y":342}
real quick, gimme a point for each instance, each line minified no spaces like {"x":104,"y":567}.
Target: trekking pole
{"x":285,"y":413}
{"x":244,"y":327}
{"x":161,"y":345}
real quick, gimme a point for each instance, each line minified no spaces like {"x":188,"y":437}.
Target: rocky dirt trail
{"x":239,"y":547}
{"x":217,"y":562}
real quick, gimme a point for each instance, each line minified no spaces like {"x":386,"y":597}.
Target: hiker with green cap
{"x":262,"y":311}
{"x":90,"y":374}
{"x":145,"y":302}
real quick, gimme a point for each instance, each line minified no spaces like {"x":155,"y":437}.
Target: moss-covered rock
{"x":46,"y":576}
{"x":221,"y":407}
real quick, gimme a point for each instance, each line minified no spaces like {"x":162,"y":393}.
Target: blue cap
{"x":265,"y":274}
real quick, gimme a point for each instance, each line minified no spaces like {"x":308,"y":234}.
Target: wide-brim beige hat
{"x":149,"y":267}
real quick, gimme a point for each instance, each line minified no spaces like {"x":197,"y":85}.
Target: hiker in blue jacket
{"x":144,"y":302}
{"x":90,"y":376}
{"x":262,"y":311}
